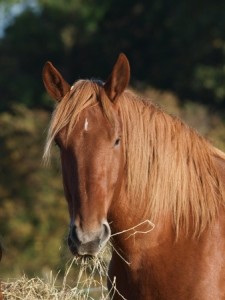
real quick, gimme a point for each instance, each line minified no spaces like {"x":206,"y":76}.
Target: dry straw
{"x":90,"y":282}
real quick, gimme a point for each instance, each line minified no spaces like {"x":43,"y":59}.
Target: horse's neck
{"x":128,"y":224}
{"x":130,"y":227}
{"x":134,"y":244}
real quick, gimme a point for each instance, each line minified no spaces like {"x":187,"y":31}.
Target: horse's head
{"x":91,"y":156}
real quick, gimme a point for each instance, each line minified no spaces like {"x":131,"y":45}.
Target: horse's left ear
{"x":55,"y":84}
{"x":118,"y":79}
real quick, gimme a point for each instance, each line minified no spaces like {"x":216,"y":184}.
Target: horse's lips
{"x":90,"y":249}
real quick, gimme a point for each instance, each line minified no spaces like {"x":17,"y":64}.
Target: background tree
{"x":178,"y":47}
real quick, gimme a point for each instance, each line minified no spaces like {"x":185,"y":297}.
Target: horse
{"x":143,"y":178}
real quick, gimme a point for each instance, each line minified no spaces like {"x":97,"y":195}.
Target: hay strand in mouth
{"x":148,"y":222}
{"x":136,"y":231}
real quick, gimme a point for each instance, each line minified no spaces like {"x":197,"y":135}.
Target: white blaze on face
{"x":86,"y":125}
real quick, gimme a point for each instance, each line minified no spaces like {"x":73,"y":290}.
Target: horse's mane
{"x":170,"y":168}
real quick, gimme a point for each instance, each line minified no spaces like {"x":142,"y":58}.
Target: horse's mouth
{"x":88,"y":250}
{"x":83,"y":257}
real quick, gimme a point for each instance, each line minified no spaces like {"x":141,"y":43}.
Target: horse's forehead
{"x":92,"y":117}
{"x":93,"y":122}
{"x":86,"y":124}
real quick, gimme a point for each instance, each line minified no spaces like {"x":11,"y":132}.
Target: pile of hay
{"x":90,"y":283}
{"x":35,"y":288}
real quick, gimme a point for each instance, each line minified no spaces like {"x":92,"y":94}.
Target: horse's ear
{"x":55,"y":84}
{"x":118,"y":79}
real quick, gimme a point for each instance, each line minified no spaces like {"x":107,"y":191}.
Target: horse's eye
{"x":117,"y":142}
{"x":57,"y":144}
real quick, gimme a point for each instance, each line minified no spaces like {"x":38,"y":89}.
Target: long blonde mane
{"x":170,"y":168}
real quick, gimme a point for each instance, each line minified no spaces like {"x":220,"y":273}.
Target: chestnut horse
{"x":130,"y":168}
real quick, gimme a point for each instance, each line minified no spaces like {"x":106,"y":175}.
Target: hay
{"x":37,"y":288}
{"x":89,"y":284}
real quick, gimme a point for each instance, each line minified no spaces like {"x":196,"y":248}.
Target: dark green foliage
{"x":33,"y":212}
{"x":175,"y":45}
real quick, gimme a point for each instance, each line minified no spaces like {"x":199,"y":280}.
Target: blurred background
{"x":177,"y":55}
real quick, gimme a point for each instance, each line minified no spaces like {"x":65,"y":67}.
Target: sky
{"x":9,"y":12}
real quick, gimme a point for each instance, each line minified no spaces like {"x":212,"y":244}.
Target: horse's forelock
{"x":82,"y":94}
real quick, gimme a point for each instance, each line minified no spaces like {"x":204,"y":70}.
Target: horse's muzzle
{"x":88,"y":243}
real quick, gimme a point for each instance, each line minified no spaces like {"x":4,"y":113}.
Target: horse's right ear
{"x":118,"y":79}
{"x":55,"y":84}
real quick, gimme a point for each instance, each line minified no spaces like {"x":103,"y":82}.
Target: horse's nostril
{"x":73,"y":235}
{"x":106,"y":232}
{"x":88,"y":242}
